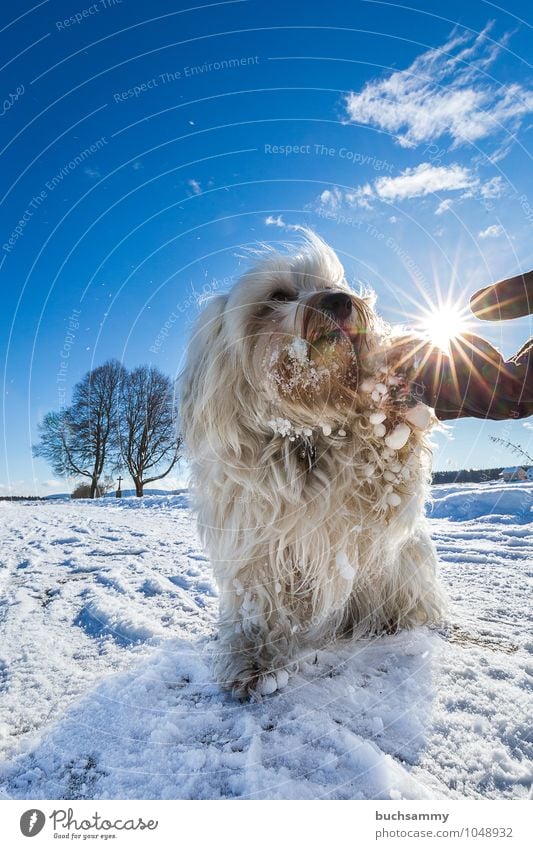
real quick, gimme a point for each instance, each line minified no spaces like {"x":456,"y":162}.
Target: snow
{"x":398,"y":437}
{"x":298,"y":350}
{"x":107,"y":626}
{"x":344,"y":566}
{"x":419,"y":416}
{"x":503,"y":503}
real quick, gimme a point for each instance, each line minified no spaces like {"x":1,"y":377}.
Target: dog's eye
{"x":280,"y":295}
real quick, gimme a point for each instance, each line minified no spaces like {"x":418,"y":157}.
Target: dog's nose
{"x":337,"y":304}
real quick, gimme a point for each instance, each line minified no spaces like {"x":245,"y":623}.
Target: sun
{"x":442,"y":323}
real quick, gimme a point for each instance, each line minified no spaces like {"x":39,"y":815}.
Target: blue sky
{"x":145,"y":146}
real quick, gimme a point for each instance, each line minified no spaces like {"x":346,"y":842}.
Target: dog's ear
{"x":208,"y":392}
{"x":196,"y":382}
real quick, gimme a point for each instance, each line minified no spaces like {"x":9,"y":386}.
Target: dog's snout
{"x":337,"y":304}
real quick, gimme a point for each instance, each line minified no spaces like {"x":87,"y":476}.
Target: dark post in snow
{"x":118,"y":493}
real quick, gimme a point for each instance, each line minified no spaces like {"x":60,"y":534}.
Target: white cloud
{"x":360,"y":196}
{"x":171,"y":482}
{"x":420,"y":181}
{"x":445,"y":91}
{"x":424,"y":180}
{"x":444,"y":206}
{"x":35,"y":487}
{"x":331,"y":198}
{"x":195,"y":186}
{"x":528,"y":425}
{"x":277,"y":221}
{"x":53,"y":484}
{"x":493,"y":188}
{"x":492,"y":232}
{"x":12,"y":487}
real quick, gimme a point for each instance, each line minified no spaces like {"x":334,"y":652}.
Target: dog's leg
{"x":406,"y":594}
{"x":414,"y":595}
{"x":256,"y":640}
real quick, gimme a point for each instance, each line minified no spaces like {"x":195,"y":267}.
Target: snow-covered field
{"x":107,"y":614}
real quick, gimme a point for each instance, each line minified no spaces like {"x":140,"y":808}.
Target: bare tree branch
{"x":516,"y":449}
{"x":80,"y":439}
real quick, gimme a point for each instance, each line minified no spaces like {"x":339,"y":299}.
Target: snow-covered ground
{"x":107,"y":614}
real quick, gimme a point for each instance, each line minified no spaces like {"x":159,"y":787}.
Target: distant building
{"x":530,"y":473}
{"x":515,"y":473}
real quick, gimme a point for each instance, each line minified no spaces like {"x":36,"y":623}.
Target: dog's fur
{"x":292,"y":481}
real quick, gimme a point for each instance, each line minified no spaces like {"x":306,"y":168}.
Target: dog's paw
{"x":273,"y":681}
{"x":254,"y":683}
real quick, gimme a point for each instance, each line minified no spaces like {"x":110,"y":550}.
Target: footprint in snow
{"x":66,"y":541}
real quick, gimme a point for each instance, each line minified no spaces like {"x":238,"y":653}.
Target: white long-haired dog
{"x":310,"y":467}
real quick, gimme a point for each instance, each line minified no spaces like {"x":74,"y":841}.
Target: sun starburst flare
{"x":442,"y":323}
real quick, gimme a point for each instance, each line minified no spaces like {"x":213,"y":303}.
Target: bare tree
{"x":54,"y":444}
{"x":82,"y":438}
{"x":149,"y":443}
